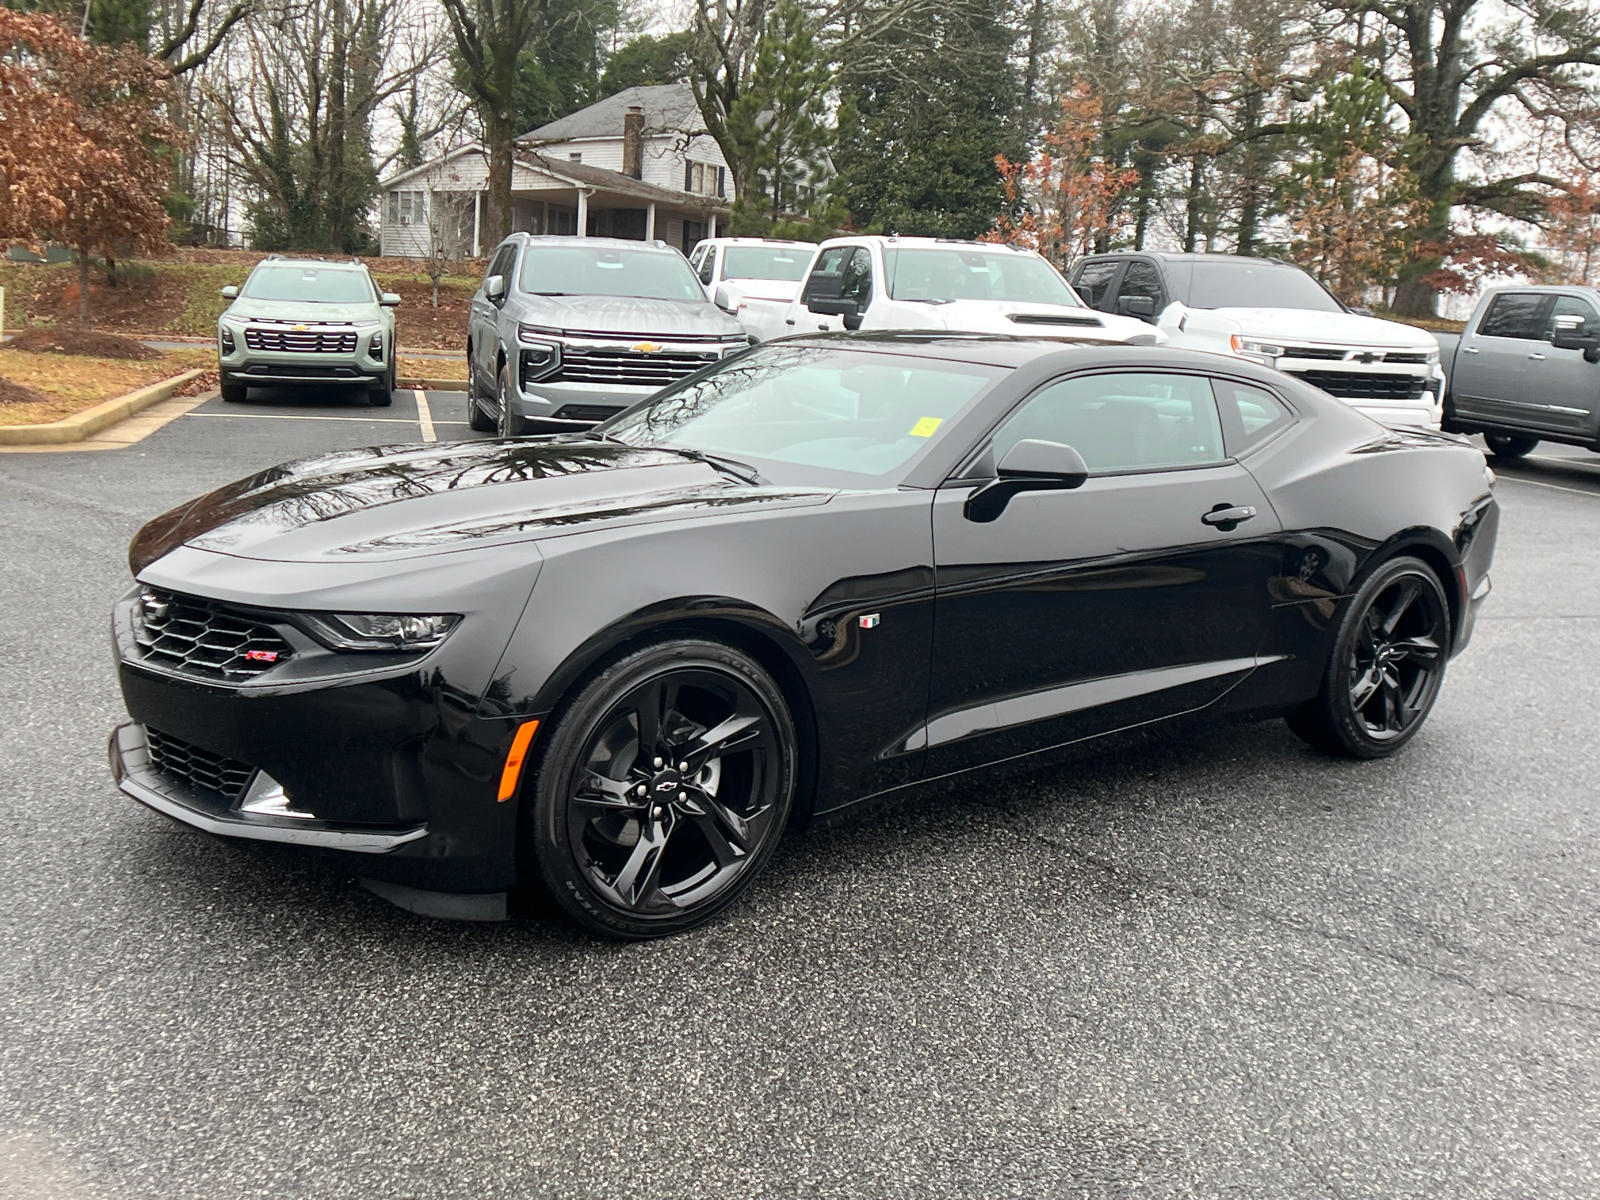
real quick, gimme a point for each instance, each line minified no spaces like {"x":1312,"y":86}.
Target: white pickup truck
{"x":916,"y":283}
{"x":754,"y":279}
{"x":1276,"y":314}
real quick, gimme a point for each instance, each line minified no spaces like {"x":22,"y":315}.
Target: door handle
{"x":1228,"y":516}
{"x":1469,"y":350}
{"x":1535,"y":358}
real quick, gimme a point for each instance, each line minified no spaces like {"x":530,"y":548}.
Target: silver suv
{"x":566,"y":331}
{"x":307,"y":321}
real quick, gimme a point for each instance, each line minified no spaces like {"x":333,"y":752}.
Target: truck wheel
{"x":232,"y":393}
{"x":1509,"y":445}
{"x":511,"y":423}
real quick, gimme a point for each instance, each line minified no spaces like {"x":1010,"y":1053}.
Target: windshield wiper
{"x":743,"y":472}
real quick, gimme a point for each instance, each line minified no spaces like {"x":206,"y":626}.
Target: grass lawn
{"x":71,"y":383}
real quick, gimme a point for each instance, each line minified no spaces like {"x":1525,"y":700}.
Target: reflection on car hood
{"x":1345,"y":329}
{"x":632,"y":315}
{"x":245,"y":309}
{"x":402,"y":500}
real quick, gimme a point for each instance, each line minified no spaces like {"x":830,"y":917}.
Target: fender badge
{"x":647,"y":347}
{"x":870,"y":621}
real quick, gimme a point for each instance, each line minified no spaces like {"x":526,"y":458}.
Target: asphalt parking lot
{"x":1223,"y":966}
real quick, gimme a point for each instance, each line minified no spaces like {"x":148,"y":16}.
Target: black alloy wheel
{"x":509,"y":423}
{"x":663,"y":789}
{"x":1509,"y":445}
{"x":1388,"y":664}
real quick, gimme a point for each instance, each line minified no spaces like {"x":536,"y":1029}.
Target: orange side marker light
{"x":519,"y":751}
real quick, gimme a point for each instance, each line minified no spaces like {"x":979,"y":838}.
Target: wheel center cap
{"x":665,"y":785}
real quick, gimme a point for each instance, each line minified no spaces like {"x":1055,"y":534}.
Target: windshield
{"x":766,"y":262}
{"x":813,"y":406}
{"x":965,"y":274}
{"x":608,"y":271}
{"x":313,"y":285}
{"x":1255,"y":284}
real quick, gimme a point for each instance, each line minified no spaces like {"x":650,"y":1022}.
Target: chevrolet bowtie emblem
{"x":301,"y":328}
{"x":647,"y":347}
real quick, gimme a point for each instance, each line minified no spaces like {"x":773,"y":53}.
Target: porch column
{"x":583,"y":212}
{"x":477,"y":214}
{"x":650,"y":222}
{"x":711,"y":225}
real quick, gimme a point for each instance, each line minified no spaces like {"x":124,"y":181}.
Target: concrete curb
{"x":433,"y":385}
{"x":93,"y":420}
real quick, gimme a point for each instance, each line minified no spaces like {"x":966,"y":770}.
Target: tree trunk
{"x":83,"y":288}
{"x":1191,"y":231}
{"x":498,"y":136}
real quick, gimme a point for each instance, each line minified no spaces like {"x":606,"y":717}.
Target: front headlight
{"x":375,"y":346}
{"x":225,"y":339}
{"x":404,"y":632}
{"x":1265,"y":353}
{"x":1431,"y":357}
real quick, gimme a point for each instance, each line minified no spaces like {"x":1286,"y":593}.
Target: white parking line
{"x":1555,"y":487}
{"x":301,"y":417}
{"x":424,"y":417}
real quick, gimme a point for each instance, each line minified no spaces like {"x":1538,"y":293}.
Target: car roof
{"x":895,"y":240}
{"x":306,"y":260}
{"x":1171,"y":256}
{"x":753,"y":241}
{"x":1010,"y":350}
{"x":572,"y":239}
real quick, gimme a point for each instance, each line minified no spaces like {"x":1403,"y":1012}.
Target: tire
{"x":1509,"y":445}
{"x":1387,"y":665}
{"x":477,"y":419}
{"x":631,"y":866}
{"x":232,"y":393}
{"x":508,"y":423}
{"x":381,"y":396}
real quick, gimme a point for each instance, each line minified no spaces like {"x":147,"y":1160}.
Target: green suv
{"x":307,"y":321}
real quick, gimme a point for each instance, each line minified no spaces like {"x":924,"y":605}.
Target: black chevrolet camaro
{"x":620,"y":664}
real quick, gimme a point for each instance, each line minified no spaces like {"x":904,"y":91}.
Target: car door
{"x":1493,"y":359}
{"x":1562,"y":385}
{"x":1095,"y":280}
{"x":484,"y":321}
{"x":1076,"y":613}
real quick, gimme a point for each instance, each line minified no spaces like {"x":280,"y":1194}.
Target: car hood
{"x":1344,"y":329}
{"x":634,"y":316}
{"x":402,"y":501}
{"x":245,"y":309}
{"x":1020,"y":319}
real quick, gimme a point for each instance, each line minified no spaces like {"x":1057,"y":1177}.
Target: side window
{"x":857,"y":282}
{"x":1141,"y":279}
{"x":1572,"y":306}
{"x":1250,"y":415}
{"x":1095,"y":279}
{"x":708,"y":267}
{"x":1122,"y":421}
{"x":501,"y":264}
{"x":1516,"y":315}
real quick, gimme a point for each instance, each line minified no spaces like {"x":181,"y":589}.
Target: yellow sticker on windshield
{"x":926,"y":426}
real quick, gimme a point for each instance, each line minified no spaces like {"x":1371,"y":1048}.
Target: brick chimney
{"x":633,"y":142}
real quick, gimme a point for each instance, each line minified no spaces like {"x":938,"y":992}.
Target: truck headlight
{"x":225,"y":339}
{"x":405,"y":632}
{"x":1265,"y":353}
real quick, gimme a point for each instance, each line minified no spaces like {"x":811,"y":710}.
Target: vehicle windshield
{"x":827,"y":407}
{"x":608,"y":271}
{"x":941,"y":275}
{"x":1255,"y":284}
{"x":766,"y":262}
{"x":311,"y":285}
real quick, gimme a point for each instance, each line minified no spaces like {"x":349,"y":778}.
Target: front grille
{"x":1315,"y":352}
{"x":285,"y":371}
{"x":1052,"y":319}
{"x":629,"y":368}
{"x":1404,"y":357}
{"x":611,"y":335}
{"x":310,"y":341}
{"x":1356,"y":385}
{"x":228,"y":777}
{"x":586,"y":412}
{"x":200,"y":638}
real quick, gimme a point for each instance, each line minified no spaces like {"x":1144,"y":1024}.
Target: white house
{"x":635,"y":165}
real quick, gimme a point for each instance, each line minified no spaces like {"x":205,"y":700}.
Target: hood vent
{"x":1054,"y":319}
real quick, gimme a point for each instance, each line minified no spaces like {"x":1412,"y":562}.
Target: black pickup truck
{"x":1526,"y":369}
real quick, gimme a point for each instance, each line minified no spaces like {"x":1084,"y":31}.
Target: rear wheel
{"x":663,"y":789}
{"x":1388,"y":663}
{"x":1509,"y":445}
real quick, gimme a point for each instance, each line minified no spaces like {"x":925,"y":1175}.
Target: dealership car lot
{"x":1222,"y":966}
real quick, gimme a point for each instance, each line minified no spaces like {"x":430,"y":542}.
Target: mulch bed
{"x":93,"y":343}
{"x":15,"y":393}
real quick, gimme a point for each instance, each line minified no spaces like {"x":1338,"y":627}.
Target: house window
{"x":705,"y":179}
{"x":575,"y":157}
{"x":408,"y":208}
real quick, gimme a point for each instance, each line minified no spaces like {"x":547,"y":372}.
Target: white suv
{"x":916,"y":283}
{"x":755,"y":279}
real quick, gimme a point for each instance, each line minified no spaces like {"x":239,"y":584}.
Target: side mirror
{"x":1029,"y":466}
{"x":822,"y":295}
{"x":1571,"y":332}
{"x":389,"y":300}
{"x":230,"y":292}
{"x":494,"y":287}
{"x":1143,"y":307}
{"x":729,"y":302}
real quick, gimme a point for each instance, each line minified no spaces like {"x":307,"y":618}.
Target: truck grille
{"x":629,"y":368}
{"x":310,"y":341}
{"x":1315,"y":352}
{"x":1364,"y":385}
{"x":199,"y":638}
{"x":228,"y":777}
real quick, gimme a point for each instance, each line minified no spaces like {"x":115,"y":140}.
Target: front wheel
{"x":1388,"y":663}
{"x":232,"y":393}
{"x":663,"y":789}
{"x":1509,"y":445}
{"x":509,"y":423}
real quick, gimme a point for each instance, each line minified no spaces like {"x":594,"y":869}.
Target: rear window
{"x":608,"y":271}
{"x":310,"y":285}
